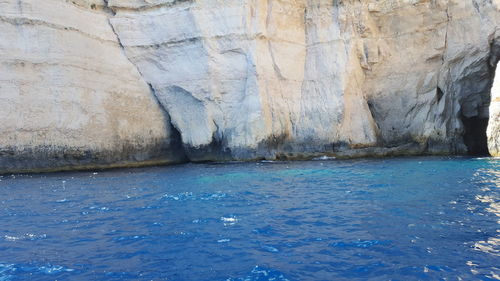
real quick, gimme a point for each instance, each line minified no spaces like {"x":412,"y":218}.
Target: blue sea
{"x":422,"y":218}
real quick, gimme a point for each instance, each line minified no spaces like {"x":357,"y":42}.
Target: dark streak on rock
{"x":57,"y":158}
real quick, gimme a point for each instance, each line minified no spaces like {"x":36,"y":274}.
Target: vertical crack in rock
{"x":20,"y":6}
{"x":175,"y":139}
{"x":275,"y":65}
{"x":443,"y":57}
{"x":110,"y":11}
{"x":439,"y":94}
{"x":372,"y":114}
{"x":446,"y":31}
{"x":476,"y":6}
{"x":452,"y":126}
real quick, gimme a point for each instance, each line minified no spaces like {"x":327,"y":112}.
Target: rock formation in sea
{"x":494,"y":124}
{"x":87,"y":83}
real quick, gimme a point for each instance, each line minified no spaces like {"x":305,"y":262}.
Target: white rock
{"x":68,"y":94}
{"x":271,"y":77}
{"x":242,"y":79}
{"x":494,"y":125}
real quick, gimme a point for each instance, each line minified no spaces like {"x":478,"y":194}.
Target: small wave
{"x":270,"y":249}
{"x":7,"y":271}
{"x":178,"y":197}
{"x":359,"y":244}
{"x":201,"y":220}
{"x":266,"y":230}
{"x":27,"y":236}
{"x":486,"y":158}
{"x":130,"y":238}
{"x":52,"y":269}
{"x":103,"y":208}
{"x":490,"y":246}
{"x":262,"y":273}
{"x":184,"y":196}
{"x":213,"y":196}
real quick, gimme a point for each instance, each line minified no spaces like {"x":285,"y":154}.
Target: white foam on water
{"x":270,"y":249}
{"x":6,"y":269}
{"x":229,"y":220}
{"x":54,"y":269}
{"x":27,"y":236}
{"x":99,"y":208}
{"x":324,"y":158}
{"x":11,"y":238}
{"x":261,"y":273}
{"x":178,"y":197}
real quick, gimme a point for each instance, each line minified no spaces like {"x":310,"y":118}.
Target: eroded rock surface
{"x":298,"y":77}
{"x":494,"y":125}
{"x":246,"y":79}
{"x":69,"y":96}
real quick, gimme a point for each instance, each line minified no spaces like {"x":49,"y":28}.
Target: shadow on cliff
{"x":475,"y":127}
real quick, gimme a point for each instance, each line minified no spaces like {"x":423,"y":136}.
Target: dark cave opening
{"x":475,"y":135}
{"x":439,"y":94}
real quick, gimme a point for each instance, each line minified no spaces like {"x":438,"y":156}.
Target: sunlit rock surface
{"x":267,"y":78}
{"x":68,"y":94}
{"x":494,"y":125}
{"x":245,"y":79}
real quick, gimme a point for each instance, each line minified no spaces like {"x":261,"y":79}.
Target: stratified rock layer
{"x":134,"y":80}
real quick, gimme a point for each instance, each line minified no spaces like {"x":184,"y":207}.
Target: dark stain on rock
{"x":216,"y":150}
{"x":57,"y":158}
{"x":439,"y":94}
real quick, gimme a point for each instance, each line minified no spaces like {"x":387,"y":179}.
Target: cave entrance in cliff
{"x":475,"y":135}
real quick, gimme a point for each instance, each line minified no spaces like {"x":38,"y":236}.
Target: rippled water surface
{"x":379,"y":219}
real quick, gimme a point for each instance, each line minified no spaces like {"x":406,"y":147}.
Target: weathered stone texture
{"x":68,"y":94}
{"x":133,"y":80}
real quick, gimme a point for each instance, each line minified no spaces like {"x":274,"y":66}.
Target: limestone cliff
{"x":494,"y":124}
{"x":68,"y":95}
{"x":100,"y":82}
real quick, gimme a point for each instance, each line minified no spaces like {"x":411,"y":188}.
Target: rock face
{"x":494,"y":125}
{"x":94,"y":81}
{"x":69,"y":96}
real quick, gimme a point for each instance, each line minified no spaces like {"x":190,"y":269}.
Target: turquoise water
{"x":378,"y":219}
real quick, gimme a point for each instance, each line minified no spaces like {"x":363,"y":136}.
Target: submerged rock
{"x":95,"y":82}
